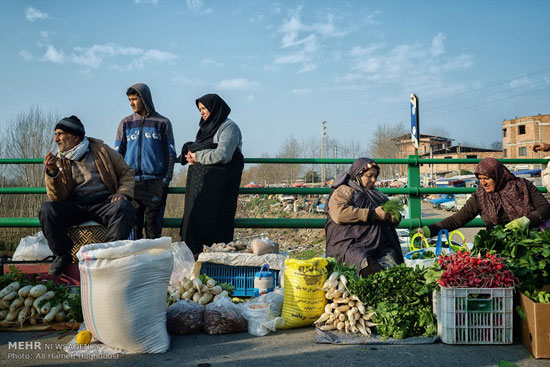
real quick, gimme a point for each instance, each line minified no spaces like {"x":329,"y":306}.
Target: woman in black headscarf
{"x":214,"y":175}
{"x":358,"y":231}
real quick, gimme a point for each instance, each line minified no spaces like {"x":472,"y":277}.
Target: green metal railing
{"x":414,"y":192}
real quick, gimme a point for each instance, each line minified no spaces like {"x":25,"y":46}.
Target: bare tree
{"x":382,"y":146}
{"x":290,"y":149}
{"x":28,"y":135}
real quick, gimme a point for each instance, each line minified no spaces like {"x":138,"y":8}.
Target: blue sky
{"x":283,"y":67}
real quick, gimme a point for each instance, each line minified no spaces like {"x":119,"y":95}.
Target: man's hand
{"x":117,"y":197}
{"x":424,"y":230}
{"x":541,"y":147}
{"x":190,"y":157}
{"x":520,"y":223}
{"x":380,"y":214}
{"x":395,"y":220}
{"x":50,"y":162}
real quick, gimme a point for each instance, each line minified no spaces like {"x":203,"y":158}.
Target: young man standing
{"x":146,"y":141}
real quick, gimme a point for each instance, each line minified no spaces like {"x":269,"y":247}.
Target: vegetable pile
{"x":538,"y":296}
{"x":27,"y":300}
{"x":526,"y":252}
{"x":393,"y":207}
{"x":202,"y":290}
{"x":402,"y":300}
{"x":344,"y":311}
{"x":463,"y":270}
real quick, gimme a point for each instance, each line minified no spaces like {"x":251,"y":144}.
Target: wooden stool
{"x":85,"y":234}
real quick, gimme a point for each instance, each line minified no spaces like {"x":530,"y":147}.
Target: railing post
{"x":413,"y":179}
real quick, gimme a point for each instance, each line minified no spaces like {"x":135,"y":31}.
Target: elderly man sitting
{"x":86,"y":180}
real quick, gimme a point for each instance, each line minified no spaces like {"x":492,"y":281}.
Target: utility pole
{"x":323,"y":166}
{"x":335,"y":150}
{"x":458,"y":156}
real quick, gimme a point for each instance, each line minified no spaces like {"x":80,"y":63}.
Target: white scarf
{"x":76,"y":152}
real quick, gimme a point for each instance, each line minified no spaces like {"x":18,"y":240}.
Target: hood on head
{"x":145,"y":95}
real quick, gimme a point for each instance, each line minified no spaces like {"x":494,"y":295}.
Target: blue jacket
{"x":147,"y":142}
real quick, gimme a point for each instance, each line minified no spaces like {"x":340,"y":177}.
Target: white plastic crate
{"x":474,"y":315}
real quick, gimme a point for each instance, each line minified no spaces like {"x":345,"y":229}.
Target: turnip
{"x":22,"y":316}
{"x":196,"y":297}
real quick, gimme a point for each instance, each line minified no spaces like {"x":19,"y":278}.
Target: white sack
{"x":123,"y":291}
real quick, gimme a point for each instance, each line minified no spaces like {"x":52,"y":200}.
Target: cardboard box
{"x":535,"y":329}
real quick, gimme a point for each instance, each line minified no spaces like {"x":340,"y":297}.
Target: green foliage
{"x":526,"y":252}
{"x":349,"y":271}
{"x":402,"y":299}
{"x":393,"y":207}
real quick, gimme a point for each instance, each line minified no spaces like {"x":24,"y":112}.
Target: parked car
{"x":449,"y":206}
{"x":442,"y":199}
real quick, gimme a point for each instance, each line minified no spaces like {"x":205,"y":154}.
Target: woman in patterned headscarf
{"x":500,"y":199}
{"x":358,"y":231}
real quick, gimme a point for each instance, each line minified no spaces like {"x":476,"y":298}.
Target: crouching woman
{"x":358,"y":231}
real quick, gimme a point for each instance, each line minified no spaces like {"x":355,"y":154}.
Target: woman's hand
{"x":541,"y":147}
{"x":380,"y":214}
{"x":190,"y":157}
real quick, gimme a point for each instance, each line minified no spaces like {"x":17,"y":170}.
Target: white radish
{"x":24,"y":292}
{"x":197,"y":284}
{"x":22,"y":316}
{"x":38,"y":290}
{"x":216,"y":290}
{"x":187,"y":294}
{"x":211,"y":283}
{"x":66,"y":306}
{"x":333,"y":277}
{"x":324,"y":317}
{"x":60,"y":316}
{"x":52,"y":312}
{"x":4,"y":305}
{"x":327,"y":327}
{"x":18,"y":302}
{"x":12,"y":315}
{"x":3,"y":314}
{"x":187,"y":284}
{"x":343,"y":280}
{"x":45,"y":309}
{"x":340,"y":325}
{"x":44,"y":297}
{"x":207,"y":297}
{"x":221,"y":295}
{"x":10,"y":296}
{"x":28,"y":301}
{"x":10,"y":288}
{"x":196,"y":297}
{"x":328,"y":308}
{"x":5,"y":323}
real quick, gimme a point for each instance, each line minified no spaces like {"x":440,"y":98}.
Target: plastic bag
{"x":184,"y":317}
{"x":183,"y":262}
{"x":32,"y":248}
{"x":261,"y":320}
{"x":223,"y":317}
{"x":262,"y":246}
{"x":274,"y":299}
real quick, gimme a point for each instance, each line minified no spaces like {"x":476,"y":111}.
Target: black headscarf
{"x":219,"y":110}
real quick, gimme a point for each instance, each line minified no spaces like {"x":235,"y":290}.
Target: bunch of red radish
{"x":462,"y":270}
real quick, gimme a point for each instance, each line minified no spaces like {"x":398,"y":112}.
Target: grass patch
{"x":307,"y":254}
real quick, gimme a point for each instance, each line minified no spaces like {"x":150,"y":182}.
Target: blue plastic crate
{"x":240,"y":277}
